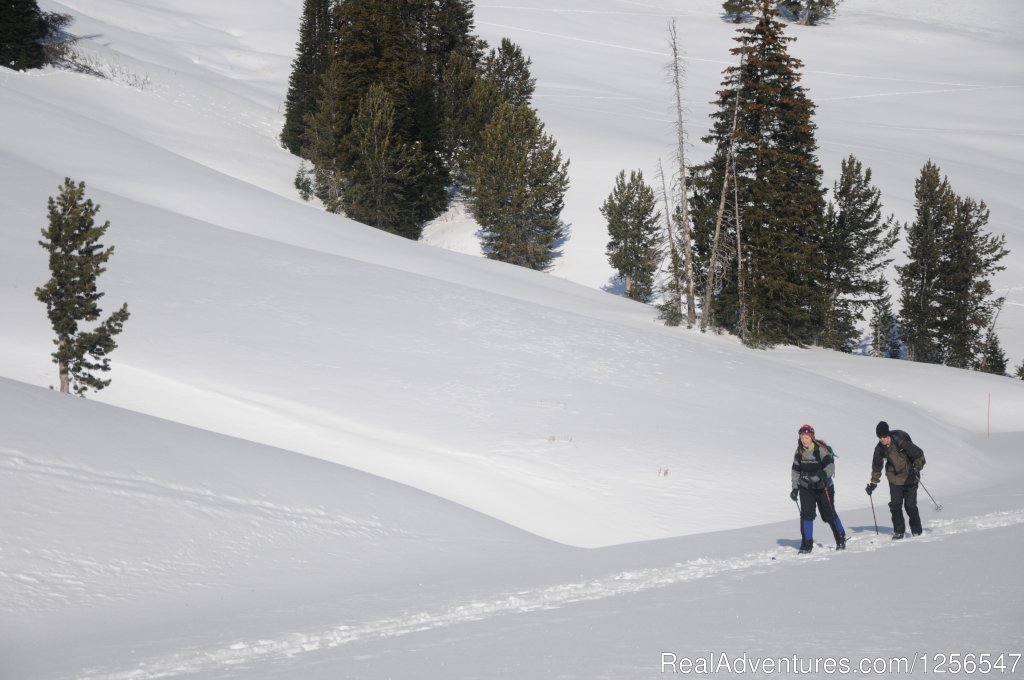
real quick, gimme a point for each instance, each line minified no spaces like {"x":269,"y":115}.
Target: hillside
{"x":329,"y":452}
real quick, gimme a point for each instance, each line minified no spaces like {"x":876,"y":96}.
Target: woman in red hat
{"x":813,"y":469}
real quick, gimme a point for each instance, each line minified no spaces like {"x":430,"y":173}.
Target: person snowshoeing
{"x":813,"y":469}
{"x":903,"y":462}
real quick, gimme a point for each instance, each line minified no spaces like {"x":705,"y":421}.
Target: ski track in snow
{"x":198,"y":660}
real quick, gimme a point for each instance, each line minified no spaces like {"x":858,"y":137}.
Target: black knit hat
{"x":882,"y":429}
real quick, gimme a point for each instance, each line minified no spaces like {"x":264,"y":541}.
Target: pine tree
{"x":969,"y":258}
{"x":21,"y":29}
{"x":509,"y":69}
{"x":992,"y":358}
{"x":517,"y":189}
{"x":885,"y":335}
{"x":737,"y":9}
{"x":945,"y":283}
{"x":920,"y":312}
{"x":778,"y":193}
{"x":381,"y":169}
{"x":71,"y":297}
{"x":406,"y":47}
{"x":1019,"y":373}
{"x":316,"y":36}
{"x":633,"y":225}
{"x":811,"y":12}
{"x":854,"y":249}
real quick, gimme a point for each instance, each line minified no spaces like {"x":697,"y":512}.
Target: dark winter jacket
{"x":899,"y":457}
{"x":813,"y":469}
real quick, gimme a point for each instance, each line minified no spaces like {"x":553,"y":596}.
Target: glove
{"x":869,"y":489}
{"x":913,"y":477}
{"x":793,"y":494}
{"x":822,"y":475}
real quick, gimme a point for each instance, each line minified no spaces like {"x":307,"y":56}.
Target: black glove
{"x":913,"y":477}
{"x":793,"y":494}
{"x":869,"y":489}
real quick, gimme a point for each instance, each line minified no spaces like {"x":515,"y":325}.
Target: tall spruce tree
{"x":316,"y":37}
{"x":633,"y":230}
{"x":945,"y":283}
{"x":854,"y":249}
{"x":778,"y":193}
{"x":21,"y":29}
{"x":71,"y":295}
{"x":517,"y":189}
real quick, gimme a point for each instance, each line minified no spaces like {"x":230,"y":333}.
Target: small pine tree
{"x":737,"y":9}
{"x":1020,"y":371}
{"x":811,"y":12}
{"x":885,"y":335}
{"x":21,"y":29}
{"x":633,"y":225}
{"x":509,"y":69}
{"x":517,"y":189}
{"x":77,"y":259}
{"x":992,"y":358}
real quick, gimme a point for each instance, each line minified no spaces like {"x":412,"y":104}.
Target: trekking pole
{"x":937,"y":506}
{"x":870,"y":498}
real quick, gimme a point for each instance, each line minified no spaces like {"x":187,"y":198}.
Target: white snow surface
{"x":332,"y":453}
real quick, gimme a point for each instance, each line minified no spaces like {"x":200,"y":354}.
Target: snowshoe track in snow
{"x":238,"y":653}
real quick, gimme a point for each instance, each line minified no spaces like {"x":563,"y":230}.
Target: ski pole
{"x":937,"y":506}
{"x":873,"y":513}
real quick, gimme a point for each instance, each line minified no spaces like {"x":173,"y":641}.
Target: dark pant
{"x":824,"y":500}
{"x":904,"y":495}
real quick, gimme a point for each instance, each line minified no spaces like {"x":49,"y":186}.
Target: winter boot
{"x":898,"y":535}
{"x":841,"y":542}
{"x":806,"y":547}
{"x":916,"y":532}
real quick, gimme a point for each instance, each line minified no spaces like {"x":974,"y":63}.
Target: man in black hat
{"x":903,"y":462}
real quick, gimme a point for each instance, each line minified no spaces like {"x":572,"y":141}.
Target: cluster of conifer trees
{"x":779,"y":262}
{"x":398,"y":108}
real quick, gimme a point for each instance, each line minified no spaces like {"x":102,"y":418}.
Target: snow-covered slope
{"x":523,"y":432}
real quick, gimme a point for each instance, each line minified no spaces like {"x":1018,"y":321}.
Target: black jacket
{"x":899,"y":457}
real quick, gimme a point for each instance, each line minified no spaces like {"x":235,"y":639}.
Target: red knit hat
{"x":806,"y":429}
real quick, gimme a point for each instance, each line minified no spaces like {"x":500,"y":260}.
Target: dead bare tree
{"x":678,"y":71}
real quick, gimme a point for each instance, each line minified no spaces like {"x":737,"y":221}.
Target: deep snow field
{"x":332,"y":453}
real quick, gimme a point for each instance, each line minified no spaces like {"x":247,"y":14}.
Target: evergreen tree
{"x":316,"y":36}
{"x":633,"y":225}
{"x":21,"y":29}
{"x":854,"y":249}
{"x":811,"y":12}
{"x":920,"y":312}
{"x":405,"y":47}
{"x":945,"y":283}
{"x":885,"y":334}
{"x":737,"y":9}
{"x":969,"y":258}
{"x":778,"y":193}
{"x":381,"y":169}
{"x":517,"y":189}
{"x":459,"y":130}
{"x":71,"y":297}
{"x":1019,"y":373}
{"x":509,"y":69}
{"x":992,"y":358}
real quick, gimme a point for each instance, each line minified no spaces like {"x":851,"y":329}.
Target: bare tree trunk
{"x":741,"y":287}
{"x":65,"y":379}
{"x":684,"y":201}
{"x":705,"y":318}
{"x":673,"y":252}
